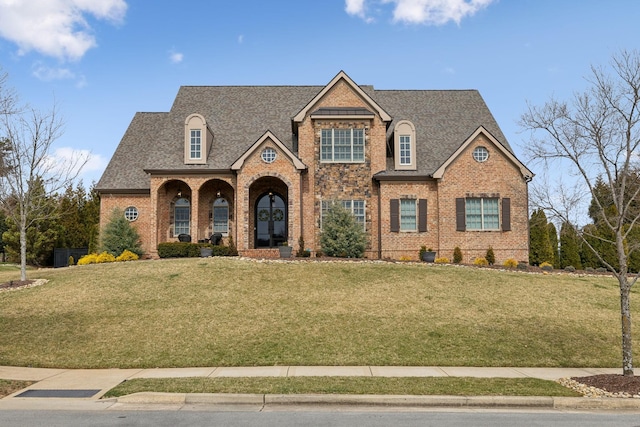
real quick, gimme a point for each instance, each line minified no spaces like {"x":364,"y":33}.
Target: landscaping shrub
{"x":510,"y":263}
{"x":480,"y":261}
{"x":490,"y":256}
{"x":105,"y":257}
{"x":522,"y":265}
{"x":119,"y":235}
{"x":302,"y":252}
{"x":570,"y":268}
{"x":190,"y":250}
{"x":442,"y":260}
{"x":457,"y":255}
{"x":88,"y":259}
{"x":546,"y":266}
{"x":71,"y":261}
{"x":233,"y":250}
{"x":127,"y":256}
{"x":341,"y":235}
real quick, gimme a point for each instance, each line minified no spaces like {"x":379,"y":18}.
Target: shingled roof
{"x":239,"y":115}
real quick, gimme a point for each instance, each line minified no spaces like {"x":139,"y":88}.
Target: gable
{"x":341,"y":77}
{"x":237,"y":165}
{"x":524,"y":171}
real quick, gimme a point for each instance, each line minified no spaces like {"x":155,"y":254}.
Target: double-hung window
{"x":221,"y":216}
{"x":195,"y":145}
{"x":405,"y":150}
{"x":182,"y":214}
{"x":356,"y":207}
{"x":482,"y":214}
{"x":342,"y":145}
{"x":408,"y":215}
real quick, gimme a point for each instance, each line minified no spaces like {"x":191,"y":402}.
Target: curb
{"x":397,"y":401}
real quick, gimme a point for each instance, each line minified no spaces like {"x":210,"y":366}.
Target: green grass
{"x":348,"y":385}
{"x":230,"y":312}
{"x":8,"y":387}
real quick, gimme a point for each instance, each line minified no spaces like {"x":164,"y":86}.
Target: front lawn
{"x":234,"y":312}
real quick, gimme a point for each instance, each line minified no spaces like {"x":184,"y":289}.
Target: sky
{"x":101,"y":61}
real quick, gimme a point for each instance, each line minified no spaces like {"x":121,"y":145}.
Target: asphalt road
{"x":10,"y":418}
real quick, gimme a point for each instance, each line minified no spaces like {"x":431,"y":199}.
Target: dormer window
{"x":195,"y":151}
{"x":198,"y":140}
{"x":405,"y":146}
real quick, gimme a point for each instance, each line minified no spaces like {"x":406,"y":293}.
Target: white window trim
{"x":333,"y":160}
{"x":175,"y":217}
{"x":415,"y":216}
{"x":482,"y":214}
{"x":213,"y":215}
{"x":197,"y":144}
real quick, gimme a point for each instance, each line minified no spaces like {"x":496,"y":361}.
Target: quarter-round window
{"x":480,"y":154}
{"x":268,"y":155}
{"x":131,"y":213}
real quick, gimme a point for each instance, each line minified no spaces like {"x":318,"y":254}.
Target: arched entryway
{"x":270,"y":220}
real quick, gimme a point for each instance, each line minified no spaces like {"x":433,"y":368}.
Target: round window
{"x":131,"y":213}
{"x":268,"y":155}
{"x":480,"y":154}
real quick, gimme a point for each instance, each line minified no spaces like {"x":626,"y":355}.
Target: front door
{"x":271,"y":220}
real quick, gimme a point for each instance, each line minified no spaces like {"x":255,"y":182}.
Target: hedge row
{"x":186,"y":250}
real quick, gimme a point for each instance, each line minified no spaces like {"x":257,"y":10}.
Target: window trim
{"x":195,"y":144}
{"x":414,"y":203}
{"x":483,"y":214}
{"x":176,"y":207}
{"x":332,"y":146}
{"x":213,"y":214}
{"x":131,"y":213}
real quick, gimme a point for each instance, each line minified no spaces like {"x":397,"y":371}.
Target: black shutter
{"x":395,"y":215}
{"x":422,"y":215}
{"x":506,"y":214}
{"x":460,"y":215}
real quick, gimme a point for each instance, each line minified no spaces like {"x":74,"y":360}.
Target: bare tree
{"x":27,"y":137}
{"x":596,"y":134}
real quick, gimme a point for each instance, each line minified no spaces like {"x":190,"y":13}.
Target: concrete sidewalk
{"x":92,"y":384}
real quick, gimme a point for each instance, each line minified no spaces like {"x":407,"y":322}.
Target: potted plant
{"x":285,"y":250}
{"x":427,"y":255}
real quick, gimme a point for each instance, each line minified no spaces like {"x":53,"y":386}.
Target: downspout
{"x":301,"y":211}
{"x":379,"y":219}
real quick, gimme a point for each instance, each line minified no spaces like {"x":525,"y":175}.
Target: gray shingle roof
{"x":240,"y":115}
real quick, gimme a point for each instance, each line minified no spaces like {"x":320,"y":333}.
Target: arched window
{"x":220,"y":216}
{"x":182,"y":215}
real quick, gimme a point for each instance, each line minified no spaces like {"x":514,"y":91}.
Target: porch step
{"x":260,"y":253}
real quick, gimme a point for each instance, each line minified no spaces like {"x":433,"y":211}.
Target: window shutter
{"x":422,"y":215}
{"x":395,"y":215}
{"x":460,"y":215}
{"x":506,"y":214}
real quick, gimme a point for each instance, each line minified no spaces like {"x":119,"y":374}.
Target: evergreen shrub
{"x":457,"y":255}
{"x":480,"y":261}
{"x":490,"y":256}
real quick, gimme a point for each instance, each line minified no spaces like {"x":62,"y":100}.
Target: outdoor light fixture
{"x":179,"y":193}
{"x":218,"y":193}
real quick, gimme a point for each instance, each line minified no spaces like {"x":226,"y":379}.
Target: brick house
{"x":263,"y":163}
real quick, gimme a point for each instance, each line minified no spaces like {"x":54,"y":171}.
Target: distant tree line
{"x":73,"y":223}
{"x":569,"y":249}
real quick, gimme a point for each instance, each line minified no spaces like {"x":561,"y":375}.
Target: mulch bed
{"x":612,"y":383}
{"x":13,"y":284}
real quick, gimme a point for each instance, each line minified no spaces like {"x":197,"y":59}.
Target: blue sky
{"x":101,"y":61}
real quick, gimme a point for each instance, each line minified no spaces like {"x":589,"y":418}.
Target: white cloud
{"x":430,"y":12}
{"x":176,"y":57}
{"x":240,"y":38}
{"x":56,"y":28}
{"x":65,"y":157}
{"x":47,"y":74}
